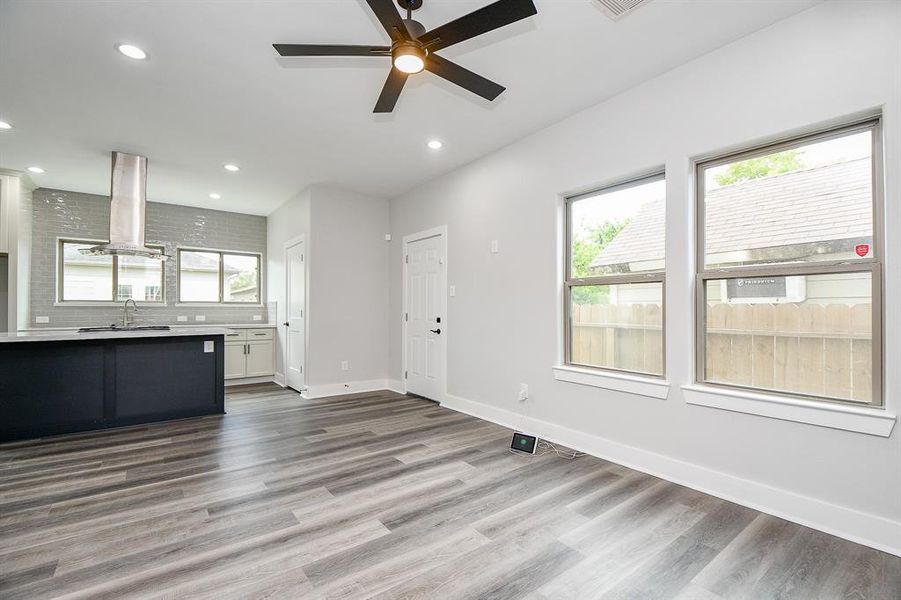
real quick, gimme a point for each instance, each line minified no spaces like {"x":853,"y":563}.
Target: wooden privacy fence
{"x":626,"y":336}
{"x":805,"y":348}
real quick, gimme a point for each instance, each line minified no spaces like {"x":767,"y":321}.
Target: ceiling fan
{"x":413,"y":48}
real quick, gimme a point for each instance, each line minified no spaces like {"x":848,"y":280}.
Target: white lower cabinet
{"x":249,"y":353}
{"x":235,"y":360}
{"x":259,"y":359}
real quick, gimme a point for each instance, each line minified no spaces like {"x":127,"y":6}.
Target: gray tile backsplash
{"x":61,"y":214}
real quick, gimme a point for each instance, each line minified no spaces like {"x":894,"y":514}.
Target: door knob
{"x":286,"y":324}
{"x":437,"y":331}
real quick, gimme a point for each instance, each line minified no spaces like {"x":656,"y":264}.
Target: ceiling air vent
{"x":617,"y":9}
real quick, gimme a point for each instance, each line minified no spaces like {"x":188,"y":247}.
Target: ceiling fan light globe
{"x":409,"y":59}
{"x":409,"y":63}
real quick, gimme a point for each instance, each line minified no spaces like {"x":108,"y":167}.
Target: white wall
{"x":834,"y":60}
{"x":291,"y":220}
{"x":347,"y":262}
{"x":349,"y":288}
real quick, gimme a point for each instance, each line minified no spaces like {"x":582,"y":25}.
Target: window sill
{"x":106,"y":303}
{"x":218,"y":304}
{"x":640,"y":385}
{"x":872,"y":421}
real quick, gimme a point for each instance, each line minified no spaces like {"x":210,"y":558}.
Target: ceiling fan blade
{"x":390,"y":19}
{"x":493,"y":16}
{"x":330,"y":50}
{"x":391,"y":92}
{"x":463,"y":77}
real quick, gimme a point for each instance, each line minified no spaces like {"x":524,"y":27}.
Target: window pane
{"x":619,"y":231}
{"x":88,"y":278}
{"x":140,"y":278}
{"x":802,"y":334}
{"x":242,"y":276}
{"x":812,"y":202}
{"x":198,"y":276}
{"x":618,"y":326}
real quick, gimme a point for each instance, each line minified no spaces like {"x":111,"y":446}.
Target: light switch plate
{"x":42,"y":319}
{"x":208,"y":346}
{"x":181,"y":318}
{"x":494,"y":246}
{"x":452,"y":290}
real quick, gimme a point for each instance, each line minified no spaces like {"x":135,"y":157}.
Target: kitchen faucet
{"x":125,"y":311}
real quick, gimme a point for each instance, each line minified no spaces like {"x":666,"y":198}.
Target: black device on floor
{"x":523,"y":442}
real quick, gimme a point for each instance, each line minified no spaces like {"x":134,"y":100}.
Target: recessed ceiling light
{"x":35,"y":169}
{"x":435,"y":144}
{"x":5,"y":125}
{"x":215,"y":196}
{"x":131,"y":51}
{"x":232,"y":168}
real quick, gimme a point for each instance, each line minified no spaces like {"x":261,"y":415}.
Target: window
{"x":95,"y":278}
{"x":614,"y":277}
{"x":789,"y":289}
{"x":220,"y":277}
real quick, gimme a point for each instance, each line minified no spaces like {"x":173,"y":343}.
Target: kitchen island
{"x":54,"y":382}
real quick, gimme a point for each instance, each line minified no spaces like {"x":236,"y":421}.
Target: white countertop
{"x":60,"y":335}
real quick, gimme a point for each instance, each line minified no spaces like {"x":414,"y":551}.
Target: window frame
{"x":60,"y":275}
{"x":222,"y":254}
{"x":872,"y":264}
{"x":569,"y":282}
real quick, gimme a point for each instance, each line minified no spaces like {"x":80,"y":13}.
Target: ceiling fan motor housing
{"x":415,"y":28}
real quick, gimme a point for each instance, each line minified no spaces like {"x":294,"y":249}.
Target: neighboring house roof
{"x":830,"y":202}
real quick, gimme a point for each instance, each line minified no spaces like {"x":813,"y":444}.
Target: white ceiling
{"x":214,"y":90}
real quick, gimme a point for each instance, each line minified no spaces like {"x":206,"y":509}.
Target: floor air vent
{"x":617,"y":9}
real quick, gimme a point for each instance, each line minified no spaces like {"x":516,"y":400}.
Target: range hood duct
{"x":128,"y":194}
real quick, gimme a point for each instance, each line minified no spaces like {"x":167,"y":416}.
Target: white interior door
{"x":426,"y":321}
{"x":295,"y":292}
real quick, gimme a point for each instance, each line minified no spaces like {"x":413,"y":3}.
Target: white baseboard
{"x":350,"y":387}
{"x":248,"y":380}
{"x":279,"y":378}
{"x":848,"y":523}
{"x":396,"y":385}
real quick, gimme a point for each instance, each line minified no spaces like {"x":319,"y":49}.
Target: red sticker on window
{"x":862,"y":249}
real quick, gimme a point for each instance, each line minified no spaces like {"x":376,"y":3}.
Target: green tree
{"x":586,"y":246}
{"x":760,"y":166}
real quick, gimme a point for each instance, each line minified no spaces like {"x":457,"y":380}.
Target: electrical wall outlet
{"x":345,"y":366}
{"x":181,"y":318}
{"x":200,"y":317}
{"x":258,"y":317}
{"x":387,"y":237}
{"x":495,"y":247}
{"x":42,"y":319}
{"x":523,"y":392}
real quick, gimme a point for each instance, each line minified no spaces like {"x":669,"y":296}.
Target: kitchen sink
{"x":128,"y":328}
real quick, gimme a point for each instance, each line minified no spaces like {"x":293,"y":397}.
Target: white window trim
{"x":207,"y":303}
{"x":656,"y":276}
{"x":872,"y":421}
{"x":874,"y":265}
{"x":640,"y":385}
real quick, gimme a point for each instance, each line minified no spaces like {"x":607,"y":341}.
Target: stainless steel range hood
{"x":128,"y":191}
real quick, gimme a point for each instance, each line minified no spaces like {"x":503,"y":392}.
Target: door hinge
{"x":301,"y":368}
{"x":407,"y":259}
{"x":406,"y":316}
{"x":301,"y":258}
{"x":405,"y":374}
{"x":301,"y":313}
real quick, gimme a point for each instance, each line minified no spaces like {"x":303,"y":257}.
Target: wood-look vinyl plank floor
{"x":379,"y":495}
